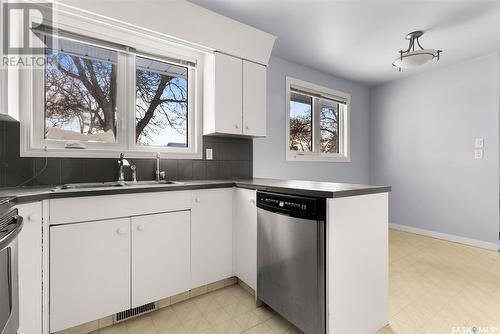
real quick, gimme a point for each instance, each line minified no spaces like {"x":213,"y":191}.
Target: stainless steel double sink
{"x":98,"y":185}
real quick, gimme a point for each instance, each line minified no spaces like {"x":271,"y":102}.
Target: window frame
{"x":344,"y":123}
{"x":143,"y":43}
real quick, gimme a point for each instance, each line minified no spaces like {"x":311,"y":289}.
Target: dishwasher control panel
{"x":292,"y":205}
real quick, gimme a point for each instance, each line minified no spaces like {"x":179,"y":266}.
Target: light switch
{"x":478,"y":153}
{"x":479,"y":143}
{"x":209,"y":154}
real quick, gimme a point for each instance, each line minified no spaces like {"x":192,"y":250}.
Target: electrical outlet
{"x":209,"y":154}
{"x":478,"y":153}
{"x":479,"y":143}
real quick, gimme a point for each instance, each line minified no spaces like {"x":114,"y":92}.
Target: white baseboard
{"x":448,"y":237}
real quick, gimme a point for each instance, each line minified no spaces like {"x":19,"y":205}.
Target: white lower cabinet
{"x":160,"y":256}
{"x":245,"y":236}
{"x":102,"y":267}
{"x":30,"y":269}
{"x":211,"y":236}
{"x":89,"y":271}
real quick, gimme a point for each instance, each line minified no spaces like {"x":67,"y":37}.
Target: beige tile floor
{"x":439,"y":287}
{"x":435,"y":287}
{"x":228,"y":310}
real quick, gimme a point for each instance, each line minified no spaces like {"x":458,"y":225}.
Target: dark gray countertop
{"x":304,"y":188}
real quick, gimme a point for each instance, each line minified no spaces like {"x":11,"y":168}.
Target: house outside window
{"x":317,"y":123}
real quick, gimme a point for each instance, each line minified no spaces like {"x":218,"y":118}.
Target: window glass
{"x":300,"y":122}
{"x":318,"y":128}
{"x":80,"y":92}
{"x":161,"y":110}
{"x":329,"y":127}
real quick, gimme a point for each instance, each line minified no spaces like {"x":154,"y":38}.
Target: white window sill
{"x":92,"y":153}
{"x":317,"y":157}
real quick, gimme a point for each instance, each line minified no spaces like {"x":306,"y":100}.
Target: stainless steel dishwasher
{"x":291,"y":258}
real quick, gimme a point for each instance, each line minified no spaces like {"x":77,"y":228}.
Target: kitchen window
{"x":101,"y":94}
{"x":317,"y":120}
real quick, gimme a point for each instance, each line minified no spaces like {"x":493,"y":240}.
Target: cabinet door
{"x":254,"y":99}
{"x":228,"y":94}
{"x":160,"y":256}
{"x":30,"y":269}
{"x":245,"y":236}
{"x":211,"y":236}
{"x":89,"y":271}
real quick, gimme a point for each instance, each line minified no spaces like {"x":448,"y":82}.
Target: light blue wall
{"x":422,"y":132}
{"x":415,"y":134}
{"x":269,"y":152}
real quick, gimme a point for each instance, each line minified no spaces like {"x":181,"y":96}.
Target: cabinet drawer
{"x":78,"y":209}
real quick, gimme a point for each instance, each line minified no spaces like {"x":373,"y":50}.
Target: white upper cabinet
{"x":254,"y":99}
{"x":235,"y":96}
{"x":89,"y":271}
{"x":228,"y":94}
{"x":211,"y":236}
{"x":160,"y":256}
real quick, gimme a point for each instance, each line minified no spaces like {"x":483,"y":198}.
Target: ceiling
{"x":358,"y":40}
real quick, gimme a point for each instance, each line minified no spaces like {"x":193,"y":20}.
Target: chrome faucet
{"x":122,"y":162}
{"x":160,"y":175}
{"x":133,"y":168}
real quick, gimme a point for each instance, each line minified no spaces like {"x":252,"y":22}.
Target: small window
{"x":80,"y":92}
{"x":161,"y":108}
{"x":317,"y":123}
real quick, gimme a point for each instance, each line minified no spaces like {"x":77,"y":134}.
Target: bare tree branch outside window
{"x":300,"y":123}
{"x":80,"y":97}
{"x":302,"y":109}
{"x":329,"y":127}
{"x":81,"y":94}
{"x":161,"y":103}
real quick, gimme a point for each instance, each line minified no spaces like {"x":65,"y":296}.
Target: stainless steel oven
{"x":10,"y":226}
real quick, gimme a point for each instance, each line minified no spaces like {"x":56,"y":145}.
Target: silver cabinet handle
{"x":32,"y":217}
{"x":197,"y":200}
{"x":141,"y":227}
{"x":252,"y":201}
{"x":247,"y":127}
{"x":121,"y":231}
{"x":236,"y":126}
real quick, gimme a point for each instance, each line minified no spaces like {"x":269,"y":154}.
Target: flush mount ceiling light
{"x":412,"y":58}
